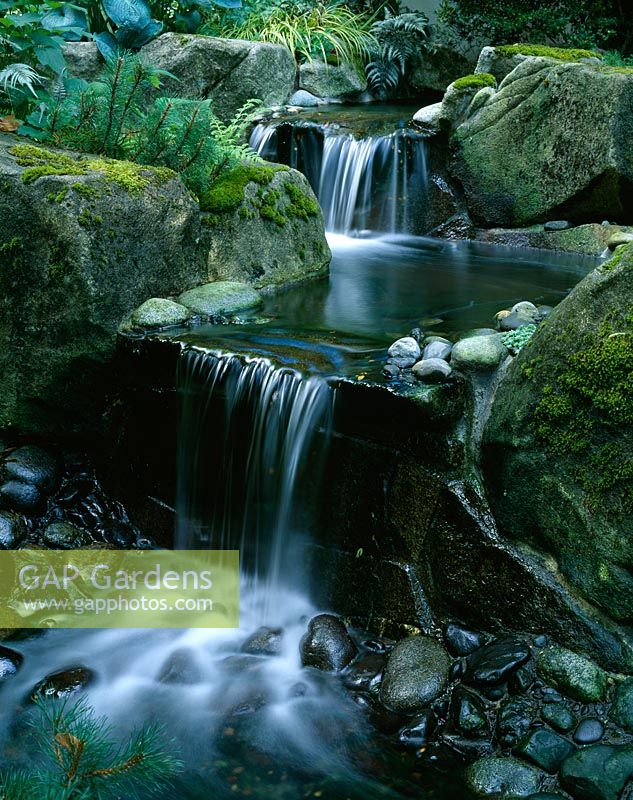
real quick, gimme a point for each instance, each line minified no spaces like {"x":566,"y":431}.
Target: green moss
{"x":11,"y":247}
{"x":478,"y":81}
{"x":133,"y":178}
{"x":269,"y":208}
{"x":616,"y":258}
{"x":559,"y":53}
{"x":227,"y":193}
{"x":583,"y":410}
{"x":57,"y":197}
{"x":87,"y":191}
{"x":301,"y":205}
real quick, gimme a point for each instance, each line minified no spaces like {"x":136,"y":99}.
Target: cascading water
{"x":249,"y":434}
{"x":378,"y":183}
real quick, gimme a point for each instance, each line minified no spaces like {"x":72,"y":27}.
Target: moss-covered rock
{"x":264,"y":227}
{"x":84,"y":241}
{"x":552,"y":143}
{"x":501,"y":60}
{"x":574,"y":675}
{"x":221,"y":299}
{"x":558,"y":444}
{"x":159,"y":313}
{"x":332,"y":81}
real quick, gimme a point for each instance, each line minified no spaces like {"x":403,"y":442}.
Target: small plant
{"x":77,"y":758}
{"x":613,"y":58}
{"x":515,"y":340}
{"x":399,"y":38}
{"x":324,"y":29}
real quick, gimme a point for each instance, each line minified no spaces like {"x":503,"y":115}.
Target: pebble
{"x":468,"y":712}
{"x":501,"y":777}
{"x":404,"y":352}
{"x":545,"y":749}
{"x":589,"y":731}
{"x":432,"y":370}
{"x":418,"y":732}
{"x":493,"y":663}
{"x":462,"y":642}
{"x":64,"y":683}
{"x":12,"y":530}
{"x":558,"y":225}
{"x":327,"y":645}
{"x":415,"y":675}
{"x":437,"y":350}
{"x":598,"y":772}
{"x":264,"y":641}
{"x":559,"y":716}
{"x":573,"y":674}
{"x":622,"y":709}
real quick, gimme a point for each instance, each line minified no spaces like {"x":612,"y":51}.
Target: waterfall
{"x":252,"y":440}
{"x":378,"y":183}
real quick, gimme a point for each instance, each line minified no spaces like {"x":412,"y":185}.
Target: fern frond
{"x":21,"y":77}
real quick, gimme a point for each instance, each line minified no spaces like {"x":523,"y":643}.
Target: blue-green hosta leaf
{"x":52,"y":57}
{"x":134,"y":39}
{"x":130,"y":14}
{"x":107,"y":45}
{"x":70,"y":21}
{"x":228,"y":3}
{"x":189,"y":20}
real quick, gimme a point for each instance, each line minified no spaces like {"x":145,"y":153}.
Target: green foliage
{"x":613,"y":58}
{"x":578,"y":23}
{"x":77,"y":758}
{"x":174,"y":134}
{"x":559,"y":53}
{"x":399,"y":38}
{"x":325,"y":29}
{"x":515,"y":340}
{"x":478,"y":81}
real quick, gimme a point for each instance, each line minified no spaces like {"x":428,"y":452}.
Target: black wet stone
{"x":559,"y":716}
{"x":546,"y":796}
{"x":468,"y":712}
{"x":12,"y":530}
{"x":21,"y":496}
{"x":33,"y":466}
{"x":264,"y":641}
{"x":418,"y":732}
{"x":365,"y":674}
{"x":493,"y":663}
{"x":180,"y":668}
{"x":622,"y":709}
{"x":10,"y":662}
{"x":64,"y":536}
{"x":598,"y":772}
{"x":589,"y":731}
{"x":545,"y":749}
{"x":63,"y":684}
{"x":456,"y":671}
{"x":515,"y":719}
{"x":462,"y":642}
{"x":521,"y":680}
{"x":327,"y":644}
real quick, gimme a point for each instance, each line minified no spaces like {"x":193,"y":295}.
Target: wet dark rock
{"x":432,"y":370}
{"x":456,"y":671}
{"x":264,"y":642}
{"x":545,"y":749}
{"x":327,"y":644}
{"x":121,"y":535}
{"x":515,"y":718}
{"x":415,"y":675}
{"x":376,"y":645}
{"x":513,"y":321}
{"x":20,"y":496}
{"x":299,"y":689}
{"x":10,"y":662}
{"x":452,"y":748}
{"x":12,"y":530}
{"x":66,"y":682}
{"x":180,"y":667}
{"x":523,"y":678}
{"x":418,"y":732}
{"x":572,"y":674}
{"x":559,"y":716}
{"x":499,"y":777}
{"x":468,"y":712}
{"x":390,"y":370}
{"x":546,"y":796}
{"x":437,"y":350}
{"x":146,"y":543}
{"x":33,"y":466}
{"x":622,"y":709}
{"x":365,"y":673}
{"x":416,"y":333}
{"x":64,"y":536}
{"x":599,"y":772}
{"x":494,"y":663}
{"x":551,"y":695}
{"x":462,"y":642}
{"x":589,"y":731}
{"x":541,"y":640}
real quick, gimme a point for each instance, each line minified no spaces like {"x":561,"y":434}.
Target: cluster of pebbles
{"x":434,"y":359}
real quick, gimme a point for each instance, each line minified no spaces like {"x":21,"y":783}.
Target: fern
{"x":20,"y":77}
{"x":400,"y":38}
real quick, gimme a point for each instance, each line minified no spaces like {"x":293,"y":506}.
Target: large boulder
{"x":264,"y":227}
{"x":332,"y":81}
{"x":227,"y":71}
{"x":434,"y":68}
{"x":553,"y":142}
{"x":84,"y":241}
{"x":557,"y":447}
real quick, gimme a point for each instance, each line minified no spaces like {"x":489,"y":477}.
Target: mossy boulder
{"x":227,"y":71}
{"x":552,"y":143}
{"x":501,"y":60}
{"x":157,"y":312}
{"x":84,"y":241}
{"x":221,"y":299}
{"x":263,"y":226}
{"x":331,"y":80}
{"x":557,"y":447}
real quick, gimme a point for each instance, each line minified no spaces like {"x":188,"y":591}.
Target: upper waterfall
{"x":377,"y":183}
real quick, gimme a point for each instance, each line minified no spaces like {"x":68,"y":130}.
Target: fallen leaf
{"x":9,"y":124}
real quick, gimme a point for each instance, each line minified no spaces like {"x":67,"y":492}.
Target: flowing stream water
{"x":252,"y":442}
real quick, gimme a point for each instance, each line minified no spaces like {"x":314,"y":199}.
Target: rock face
{"x":102,"y":237}
{"x":553,"y":141}
{"x":227,"y":71}
{"x":273,"y":235}
{"x":436,"y":69}
{"x":329,"y":81}
{"x":557,"y":446}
